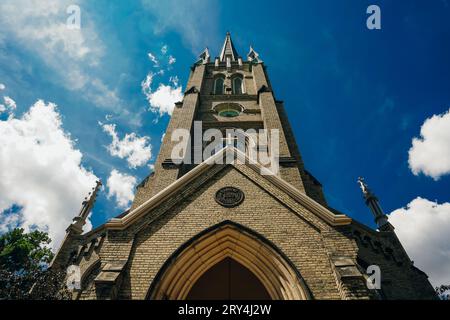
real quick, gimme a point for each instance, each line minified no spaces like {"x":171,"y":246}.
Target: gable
{"x":199,"y":202}
{"x":287,"y":192}
{"x":164,"y":230}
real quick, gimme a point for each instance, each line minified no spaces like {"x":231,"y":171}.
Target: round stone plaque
{"x":229,"y":197}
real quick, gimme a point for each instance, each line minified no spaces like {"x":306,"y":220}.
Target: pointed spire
{"x":228,"y":50}
{"x":80,"y":220}
{"x":372,"y":202}
{"x":253,"y":56}
{"x":204,"y":57}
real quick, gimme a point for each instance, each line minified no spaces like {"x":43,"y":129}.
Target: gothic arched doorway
{"x":266,"y":272}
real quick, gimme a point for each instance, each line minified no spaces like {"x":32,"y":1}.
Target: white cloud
{"x":147,"y":84}
{"x":41,"y":27}
{"x":423,"y":228}
{"x":174,"y":80}
{"x":197,"y":29}
{"x":121,"y":187}
{"x":41,"y":172}
{"x":72,"y":54}
{"x":2,"y":86}
{"x":136,"y":150}
{"x":10,"y":103}
{"x":430,"y":154}
{"x":164,"y":49}
{"x":8,"y":220}
{"x":172,"y":60}
{"x":102,"y":96}
{"x":44,"y":23}
{"x":153,"y":59}
{"x":163,"y":99}
{"x":9,"y":106}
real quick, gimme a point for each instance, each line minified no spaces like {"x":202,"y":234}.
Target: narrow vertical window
{"x":218,"y":86}
{"x":237,"y":85}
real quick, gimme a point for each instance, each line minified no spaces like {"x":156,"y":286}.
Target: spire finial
{"x":228,"y":50}
{"x":364,"y":187}
{"x":204,"y":57}
{"x":253,"y":56}
{"x":372,"y":202}
{"x":87,"y":204}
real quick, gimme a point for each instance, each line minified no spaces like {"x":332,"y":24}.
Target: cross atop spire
{"x":228,"y":50}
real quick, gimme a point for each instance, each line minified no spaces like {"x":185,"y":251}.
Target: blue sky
{"x":355,"y":97}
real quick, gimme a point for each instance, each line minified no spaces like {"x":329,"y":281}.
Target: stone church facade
{"x":227,"y":231}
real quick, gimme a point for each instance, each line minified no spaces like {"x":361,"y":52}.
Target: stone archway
{"x":228,"y":241}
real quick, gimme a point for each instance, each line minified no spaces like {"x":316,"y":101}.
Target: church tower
{"x":243,"y":88}
{"x":200,"y":228}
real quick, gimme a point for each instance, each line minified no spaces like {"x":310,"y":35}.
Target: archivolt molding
{"x":180,"y":273}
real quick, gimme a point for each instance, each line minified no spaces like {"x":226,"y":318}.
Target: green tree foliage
{"x":24,"y":252}
{"x":24,"y":273}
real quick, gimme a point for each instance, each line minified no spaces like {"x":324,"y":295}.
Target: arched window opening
{"x":238,"y":85}
{"x":218,"y":85}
